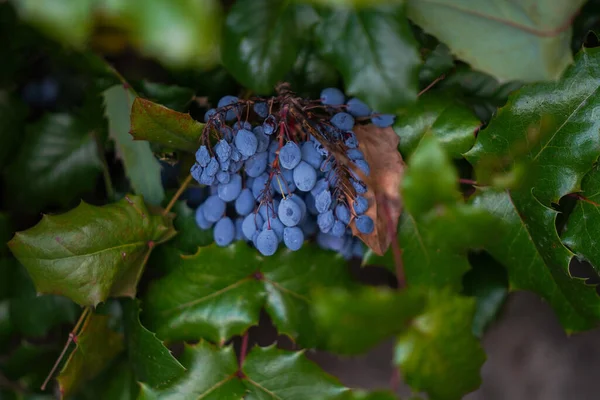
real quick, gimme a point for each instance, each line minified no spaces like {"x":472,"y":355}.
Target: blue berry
{"x":203,"y":156}
{"x":302,"y":206}
{"x":261,"y":109}
{"x":224,"y":232}
{"x":283,"y":183}
{"x":270,"y":125}
{"x":244,"y":204}
{"x":276,"y":225}
{"x":358,"y":250}
{"x":246,"y":142}
{"x":330,"y":242}
{"x":332,"y":97}
{"x":231,"y":190}
{"x":311,"y":155}
{"x":201,"y":220}
{"x":361,"y":205}
{"x":289,"y":212}
{"x":357,"y":108}
{"x":226,"y":132}
{"x":305,"y":177}
{"x":223,"y":150}
{"x":364,"y":224}
{"x":342,"y":213}
{"x":310,"y":204}
{"x":359,"y":186}
{"x":214,"y":208}
{"x":323,"y":201}
{"x":290,"y":155}
{"x":327,"y":165}
{"x":239,"y":234}
{"x":224,"y":165}
{"x":242,"y":125}
{"x":262,"y":139}
{"x":293,"y":238}
{"x":196,"y":171}
{"x":266,"y":242}
{"x":212,"y":167}
{"x":363,"y":166}
{"x":226,"y":101}
{"x":350,"y":140}
{"x":251,"y":225}
{"x":339,"y":229}
{"x":325,"y":221}
{"x":235,"y":166}
{"x":223,"y":177}
{"x":209,"y":114}
{"x":343,"y":121}
{"x":259,"y":187}
{"x":268,"y":210}
{"x":355,"y":154}
{"x":320,"y":186}
{"x":383,"y":120}
{"x":206,"y":179}
{"x":236,"y":155}
{"x":321,"y":149}
{"x":256,"y":165}
{"x":309,"y":227}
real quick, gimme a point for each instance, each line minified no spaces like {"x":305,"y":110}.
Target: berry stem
{"x":177,"y":194}
{"x":72,"y":338}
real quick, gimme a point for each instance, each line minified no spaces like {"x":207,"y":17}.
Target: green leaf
{"x":158,"y":124}
{"x":290,"y":376}
{"x":218,"y":292}
{"x":453,"y":124}
{"x":171,"y":96}
{"x":439,"y":354}
{"x":115,"y":382}
{"x":150,"y":360}
{"x":189,"y":235}
{"x":550,"y":131}
{"x":68,"y":21}
{"x":311,"y":74}
{"x":437,"y":62}
{"x":342,"y":316}
{"x":56,"y":163}
{"x":376,"y":53}
{"x":437,"y":228}
{"x":259,"y":42}
{"x":12,"y":122}
{"x":584,"y":221}
{"x":210,"y":375}
{"x":91,"y":253}
{"x":487,"y":281}
{"x":514,"y":247}
{"x":141,"y":167}
{"x":527,"y":41}
{"x":97,"y":346}
{"x":362,"y":395}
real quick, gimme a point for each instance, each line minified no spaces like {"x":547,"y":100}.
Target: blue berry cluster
{"x":275,"y":172}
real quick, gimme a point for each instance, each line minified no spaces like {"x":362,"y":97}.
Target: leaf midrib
{"x":87,"y":254}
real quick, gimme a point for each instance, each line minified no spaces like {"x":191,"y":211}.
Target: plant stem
{"x":432,"y":84}
{"x":177,"y":194}
{"x":72,"y":338}
{"x":243,"y":350}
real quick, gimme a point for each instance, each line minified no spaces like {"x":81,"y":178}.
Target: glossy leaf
{"x":56,"y":163}
{"x":437,"y":228}
{"x":437,"y":62}
{"x":259,"y":50}
{"x":91,"y":253}
{"x":97,"y":346}
{"x":171,"y":96}
{"x":439,"y":354}
{"x":210,"y":375}
{"x":115,"y":382}
{"x":514,"y":247}
{"x":551,"y":132}
{"x":343,"y":315}
{"x":141,"y":167}
{"x":150,"y":360}
{"x":527,"y":41}
{"x":584,"y":222}
{"x":290,"y":376}
{"x":375,"y":52}
{"x":453,"y":124}
{"x":189,"y":235}
{"x":159,"y":124}
{"x":311,"y":73}
{"x":218,"y":293}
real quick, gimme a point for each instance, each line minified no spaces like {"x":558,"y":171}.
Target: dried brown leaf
{"x":380,"y":147}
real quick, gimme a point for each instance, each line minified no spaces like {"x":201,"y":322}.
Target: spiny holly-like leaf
{"x":487,"y":281}
{"x":515,"y":248}
{"x":117,"y":381}
{"x":439,"y":354}
{"x":141,"y":167}
{"x":529,"y":39}
{"x":159,"y":124}
{"x":310,"y":74}
{"x":550,"y":130}
{"x":189,"y":235}
{"x":437,"y":227}
{"x":379,"y":145}
{"x":211,"y":375}
{"x":453,"y":124}
{"x":218,"y":292}
{"x":437,"y":62}
{"x":376,"y":53}
{"x":583,"y":226}
{"x":97,"y":346}
{"x":56,"y":163}
{"x":261,"y":49}
{"x":91,"y":253}
{"x":150,"y":360}
{"x":342,"y":316}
